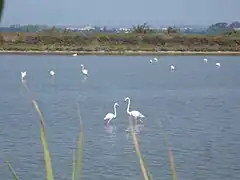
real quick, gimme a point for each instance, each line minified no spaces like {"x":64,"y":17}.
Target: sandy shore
{"x":124,"y":53}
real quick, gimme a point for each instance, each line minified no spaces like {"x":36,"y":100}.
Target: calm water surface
{"x":199,"y":105}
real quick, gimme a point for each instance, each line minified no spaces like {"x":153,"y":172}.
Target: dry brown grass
{"x":64,"y":41}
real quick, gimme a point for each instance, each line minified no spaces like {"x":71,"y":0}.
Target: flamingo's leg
{"x":134,"y":122}
{"x":108,"y":121}
{"x":140,"y":120}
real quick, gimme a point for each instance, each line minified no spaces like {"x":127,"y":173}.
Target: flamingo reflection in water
{"x":111,"y":134}
{"x":137,"y":128}
{"x":110,"y":129}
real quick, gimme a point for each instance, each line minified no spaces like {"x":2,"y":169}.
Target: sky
{"x":120,"y":12}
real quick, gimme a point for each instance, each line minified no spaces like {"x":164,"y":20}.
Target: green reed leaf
{"x":78,"y":165}
{"x":1,"y":8}
{"x":47,"y":157}
{"x":12,"y":170}
{"x":143,"y":166}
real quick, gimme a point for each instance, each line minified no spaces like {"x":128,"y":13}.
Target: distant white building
{"x":125,"y":30}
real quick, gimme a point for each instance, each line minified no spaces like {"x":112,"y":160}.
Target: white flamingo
{"x":205,"y":60}
{"x":23,"y":75}
{"x":155,"y":59}
{"x":135,"y":114}
{"x":110,"y":116}
{"x":218,"y":64}
{"x":52,"y":73}
{"x":172,"y":67}
{"x":84,"y":71}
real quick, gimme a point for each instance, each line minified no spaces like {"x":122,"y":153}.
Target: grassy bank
{"x":131,"y":43}
{"x":127,"y":53}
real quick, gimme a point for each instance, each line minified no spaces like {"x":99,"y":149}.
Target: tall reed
{"x":77,"y":159}
{"x":170,"y":153}
{"x":47,"y":157}
{"x":143,"y":166}
{"x":12,"y":170}
{"x":77,"y":164}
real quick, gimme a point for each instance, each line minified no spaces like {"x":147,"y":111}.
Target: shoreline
{"x":124,"y":53}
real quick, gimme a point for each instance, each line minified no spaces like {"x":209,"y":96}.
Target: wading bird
{"x":52,"y":73}
{"x":135,"y":114}
{"x":155,"y":59}
{"x":23,"y":75}
{"x":110,"y":116}
{"x":84,"y":71}
{"x":172,"y":67}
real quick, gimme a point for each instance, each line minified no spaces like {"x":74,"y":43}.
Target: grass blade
{"x":1,"y":8}
{"x":47,"y":157}
{"x":170,"y":154}
{"x":143,"y":166}
{"x":172,"y":166}
{"x":78,"y":164}
{"x":73,"y":165}
{"x":12,"y":171}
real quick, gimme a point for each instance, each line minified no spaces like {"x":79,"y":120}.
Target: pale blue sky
{"x":120,"y":12}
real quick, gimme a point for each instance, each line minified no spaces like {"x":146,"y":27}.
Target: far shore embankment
{"x":124,"y":53}
{"x":133,"y":44}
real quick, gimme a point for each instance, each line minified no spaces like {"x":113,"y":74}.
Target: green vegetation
{"x":1,"y":8}
{"x":77,"y":163}
{"x":141,"y":39}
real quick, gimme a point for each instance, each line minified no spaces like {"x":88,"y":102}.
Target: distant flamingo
{"x":172,"y":67}
{"x":84,"y":71}
{"x":155,"y":60}
{"x":23,"y":75}
{"x":52,"y":73}
{"x":135,"y":114}
{"x":110,"y":116}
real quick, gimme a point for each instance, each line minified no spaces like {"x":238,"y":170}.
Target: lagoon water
{"x":198,"y":104}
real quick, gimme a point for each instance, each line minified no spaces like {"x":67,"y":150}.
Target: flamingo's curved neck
{"x":115,"y":112}
{"x":128,"y":107}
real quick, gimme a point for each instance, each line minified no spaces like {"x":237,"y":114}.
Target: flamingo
{"x":155,"y":60}
{"x":84,"y":71}
{"x":23,"y":75}
{"x":110,"y":116}
{"x":52,"y":73}
{"x":136,"y":114}
{"x":172,"y":67}
{"x":218,"y":64}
